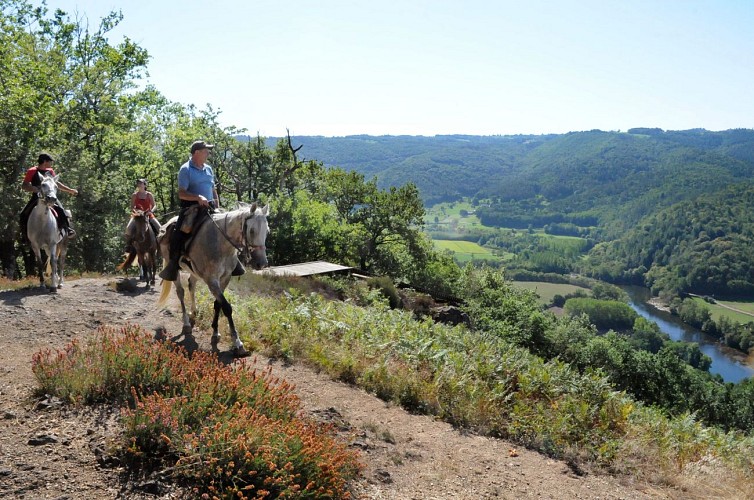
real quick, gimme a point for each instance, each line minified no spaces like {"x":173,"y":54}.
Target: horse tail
{"x":166,"y":286}
{"x":126,"y":263}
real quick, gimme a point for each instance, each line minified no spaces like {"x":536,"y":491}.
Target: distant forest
{"x":668,"y":209}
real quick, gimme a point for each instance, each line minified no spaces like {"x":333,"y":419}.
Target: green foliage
{"x":604,"y":314}
{"x":495,"y":305}
{"x":387,"y":288}
{"x":232,"y":433}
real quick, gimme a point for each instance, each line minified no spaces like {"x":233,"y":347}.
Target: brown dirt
{"x":48,"y":450}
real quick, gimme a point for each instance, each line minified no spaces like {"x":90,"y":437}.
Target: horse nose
{"x":259,"y":263}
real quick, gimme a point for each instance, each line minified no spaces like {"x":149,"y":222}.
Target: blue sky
{"x":340,"y":67}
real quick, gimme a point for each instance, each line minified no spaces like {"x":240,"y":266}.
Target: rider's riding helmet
{"x":141,"y":181}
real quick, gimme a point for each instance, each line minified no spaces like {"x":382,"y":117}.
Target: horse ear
{"x":56,"y":178}
{"x":266,"y":210}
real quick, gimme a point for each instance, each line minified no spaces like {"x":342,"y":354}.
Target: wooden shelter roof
{"x":306,"y":269}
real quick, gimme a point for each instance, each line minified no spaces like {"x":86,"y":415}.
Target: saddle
{"x":56,"y":212}
{"x":194,"y":218}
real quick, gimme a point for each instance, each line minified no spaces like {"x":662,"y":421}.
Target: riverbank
{"x":733,"y":366}
{"x":659,"y":304}
{"x":746,"y":359}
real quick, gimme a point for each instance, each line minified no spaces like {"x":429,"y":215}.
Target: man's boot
{"x":239,"y":270}
{"x":170,"y":271}
{"x":24,"y":235}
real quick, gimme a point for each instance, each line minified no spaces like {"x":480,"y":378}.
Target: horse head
{"x":255,"y":235}
{"x":48,"y":189}
{"x":138,"y":226}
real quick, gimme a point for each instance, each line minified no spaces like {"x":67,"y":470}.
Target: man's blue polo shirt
{"x":197,"y":181}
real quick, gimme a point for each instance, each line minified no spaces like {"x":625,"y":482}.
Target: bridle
{"x":245,"y":247}
{"x":48,"y":199}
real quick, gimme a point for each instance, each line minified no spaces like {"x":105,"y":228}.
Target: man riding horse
{"x":198,"y":195}
{"x":31,"y":183}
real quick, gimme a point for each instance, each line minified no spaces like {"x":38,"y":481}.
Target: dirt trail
{"x":47,"y":451}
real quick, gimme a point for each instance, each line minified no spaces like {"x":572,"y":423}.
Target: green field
{"x":747,"y":307}
{"x":447,"y":216}
{"x":717,"y":310}
{"x":546,"y":291}
{"x":465,"y":251}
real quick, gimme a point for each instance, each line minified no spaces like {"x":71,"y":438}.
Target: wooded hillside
{"x":605,"y":185}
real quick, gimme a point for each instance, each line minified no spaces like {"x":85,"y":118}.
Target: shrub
{"x":386,"y":286}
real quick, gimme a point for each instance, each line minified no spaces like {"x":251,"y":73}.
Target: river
{"x":729,"y":363}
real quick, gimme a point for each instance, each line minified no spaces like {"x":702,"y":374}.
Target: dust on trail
{"x":50,"y":451}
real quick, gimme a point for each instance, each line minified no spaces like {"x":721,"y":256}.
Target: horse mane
{"x":243,"y":207}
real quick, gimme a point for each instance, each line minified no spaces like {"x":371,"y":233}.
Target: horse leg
{"x":180,"y":292}
{"x":215,"y":324}
{"x":40,"y":265}
{"x":192,"y":295}
{"x":148,"y":274}
{"x":53,"y":260}
{"x":140,"y":258}
{"x":61,"y":264}
{"x":153,"y":261}
{"x":142,"y":265}
{"x":227,"y":309}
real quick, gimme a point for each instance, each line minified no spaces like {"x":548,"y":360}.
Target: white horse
{"x":44,"y":234}
{"x":212,"y":255}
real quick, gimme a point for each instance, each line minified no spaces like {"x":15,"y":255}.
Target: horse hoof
{"x":53,"y":289}
{"x":240,"y":352}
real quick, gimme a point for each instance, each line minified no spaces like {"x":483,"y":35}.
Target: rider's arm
{"x":26,"y":186}
{"x":151,"y":202}
{"x":133,"y":201}
{"x":217,"y":198}
{"x":66,"y":189}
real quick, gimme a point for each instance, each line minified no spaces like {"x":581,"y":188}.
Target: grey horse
{"x":212,"y":255}
{"x":44,"y":234}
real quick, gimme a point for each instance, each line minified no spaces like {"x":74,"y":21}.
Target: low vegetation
{"x":228,"y":433}
{"x":481,"y":378}
{"x":478,"y":379}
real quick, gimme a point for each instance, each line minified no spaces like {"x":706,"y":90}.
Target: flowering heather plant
{"x":232,"y":432}
{"x":107,"y":367}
